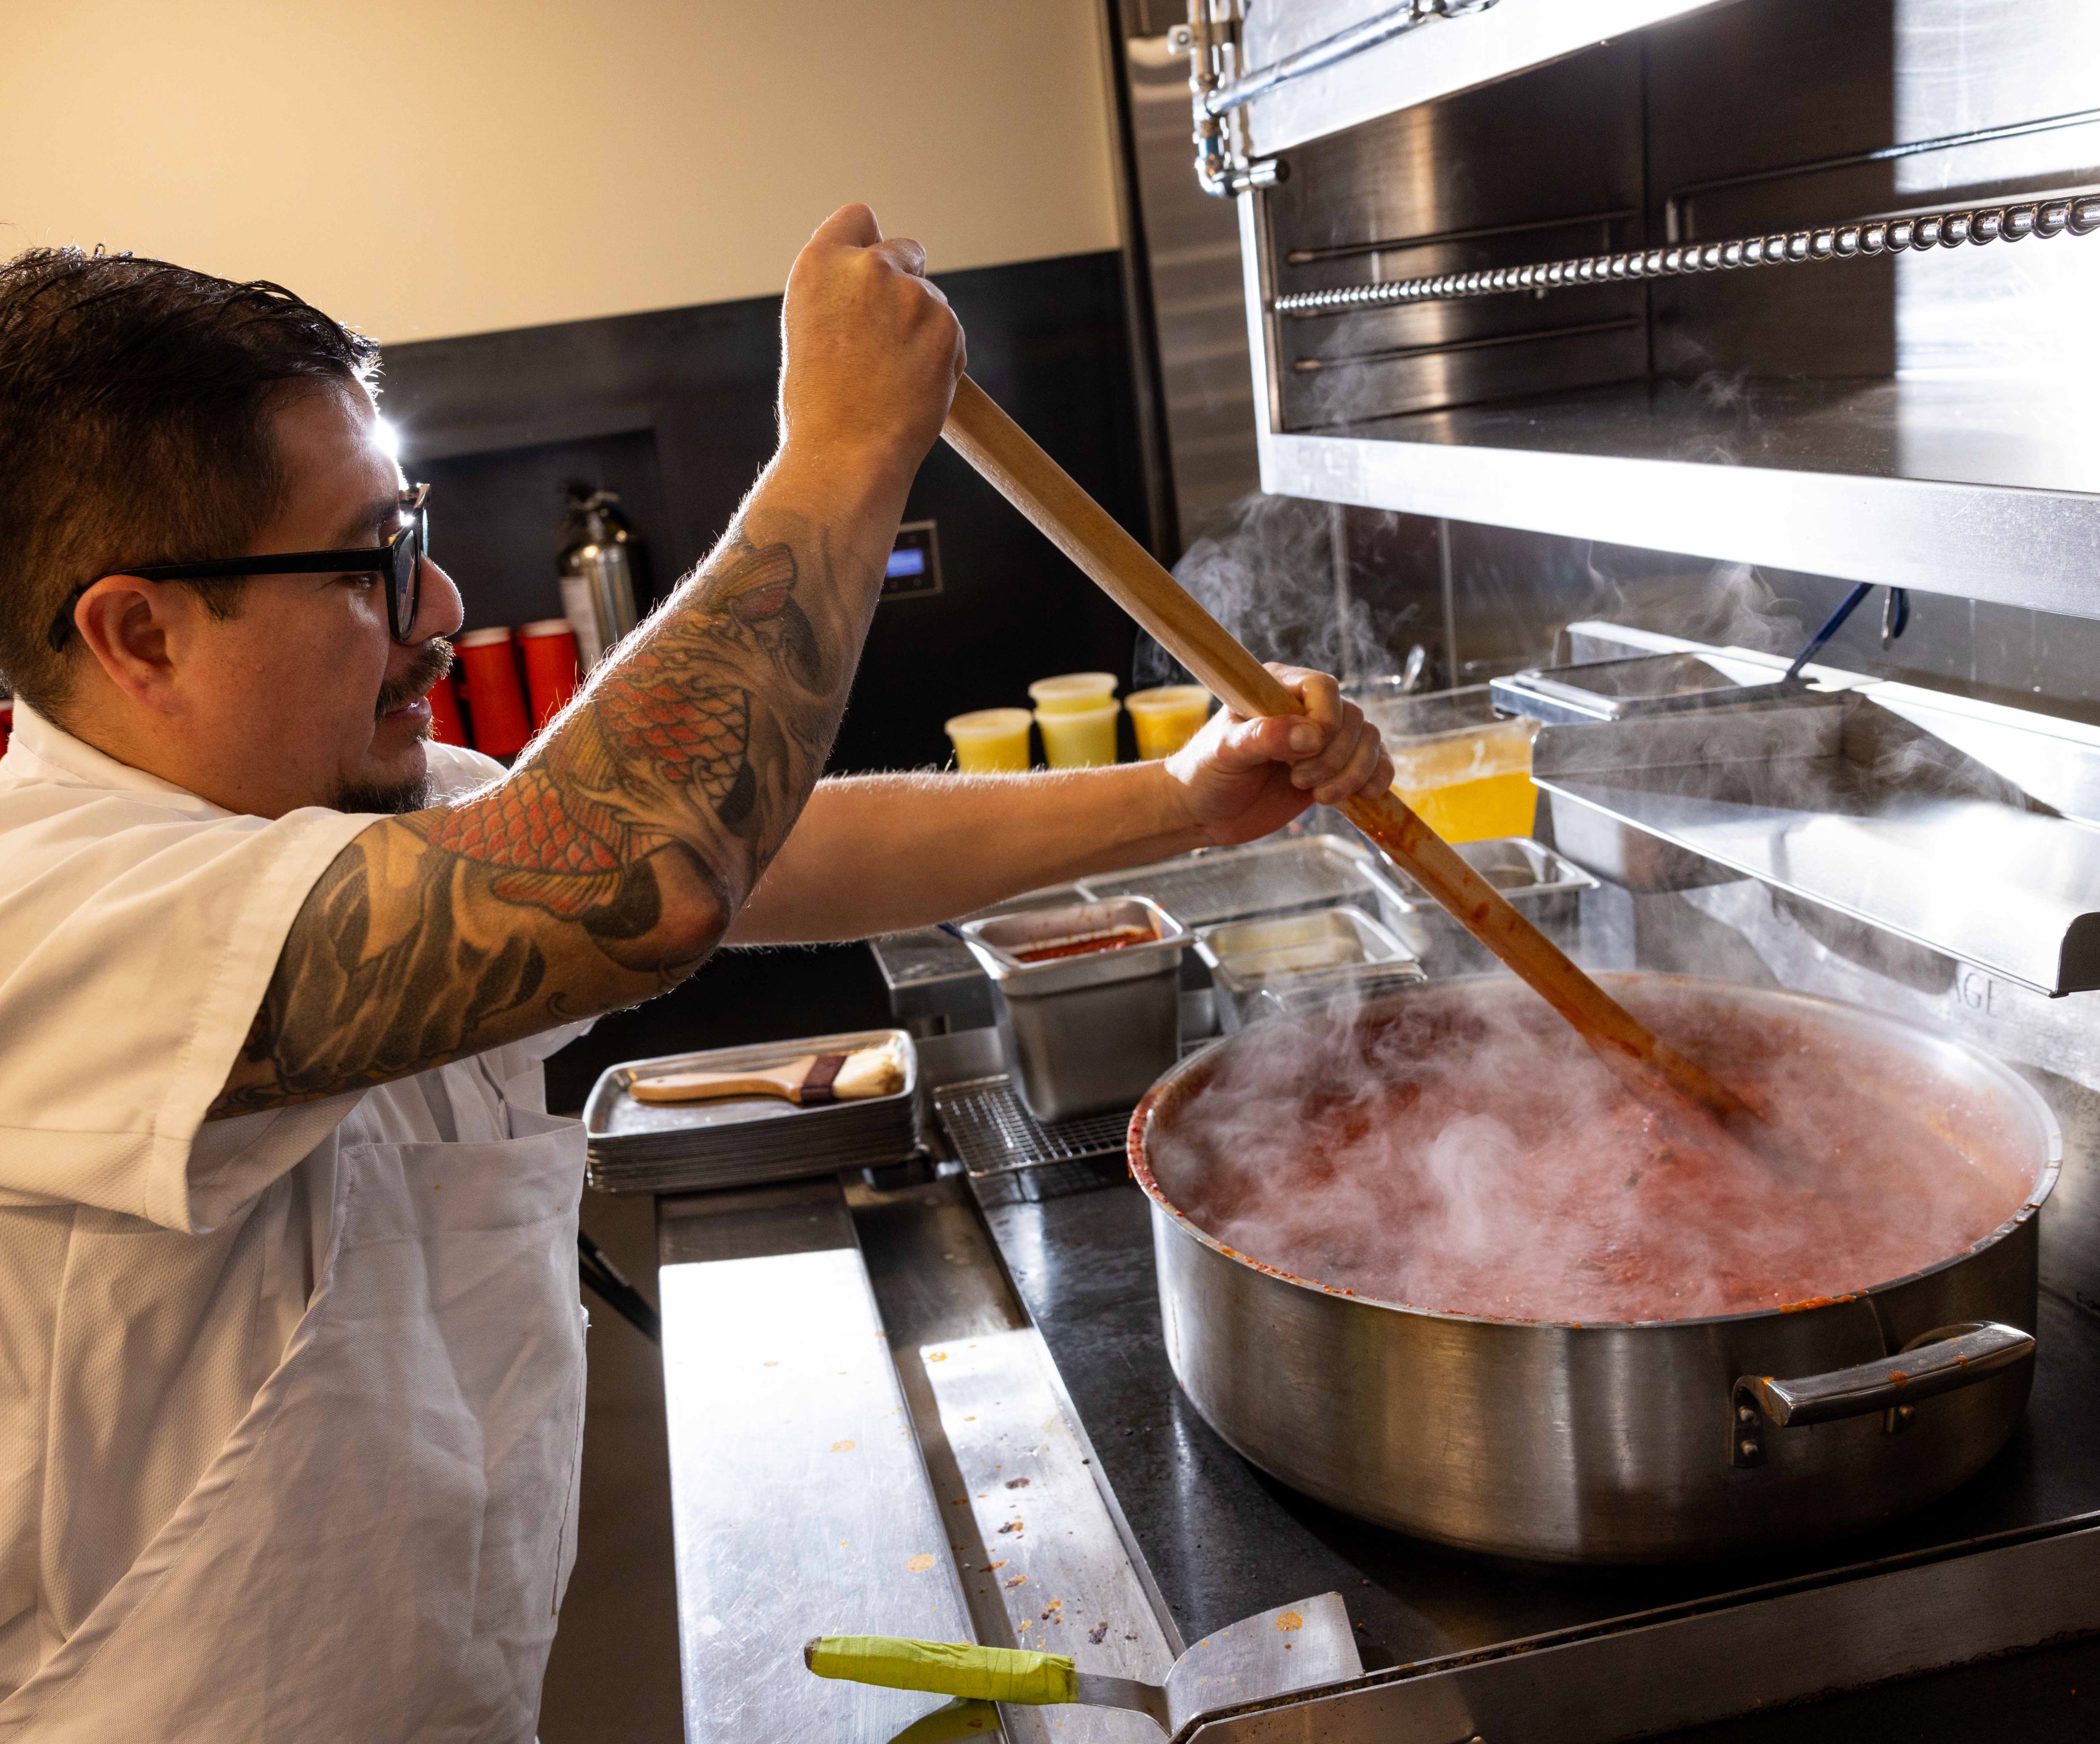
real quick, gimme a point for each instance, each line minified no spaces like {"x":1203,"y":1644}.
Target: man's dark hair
{"x":134,"y":397}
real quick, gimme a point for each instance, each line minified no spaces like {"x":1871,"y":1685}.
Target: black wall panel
{"x":675,"y":409}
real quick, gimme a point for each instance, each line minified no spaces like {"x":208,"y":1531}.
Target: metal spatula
{"x":1294,"y":1647}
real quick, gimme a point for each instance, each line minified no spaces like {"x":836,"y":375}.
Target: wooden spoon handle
{"x":1041,"y":489}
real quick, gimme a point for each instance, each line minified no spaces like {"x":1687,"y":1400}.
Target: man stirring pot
{"x":294,"y":1385}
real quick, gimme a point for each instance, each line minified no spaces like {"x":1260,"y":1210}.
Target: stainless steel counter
{"x":867,"y":1438}
{"x":801,"y":1506}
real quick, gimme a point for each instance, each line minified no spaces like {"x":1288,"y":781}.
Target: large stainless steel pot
{"x":1634,"y":1442}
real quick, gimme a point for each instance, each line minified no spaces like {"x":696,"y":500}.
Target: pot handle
{"x":1937,"y":1361}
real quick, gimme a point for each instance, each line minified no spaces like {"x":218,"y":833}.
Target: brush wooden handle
{"x":1041,"y":489}
{"x":785,"y":1081}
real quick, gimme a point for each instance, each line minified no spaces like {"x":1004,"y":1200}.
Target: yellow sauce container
{"x":990,"y":741}
{"x":1166,"y":717}
{"x":1072,"y":692}
{"x":1079,"y":738}
{"x":1467,"y":773}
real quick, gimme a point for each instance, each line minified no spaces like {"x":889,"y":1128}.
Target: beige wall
{"x":462,"y":165}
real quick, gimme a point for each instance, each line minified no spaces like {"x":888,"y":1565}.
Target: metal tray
{"x":1275,"y":876}
{"x":932,"y":979}
{"x":1284,"y":963}
{"x":1641,"y":684}
{"x":1519,"y":867}
{"x":996,"y":941}
{"x":637,"y":1146}
{"x":1243,"y":955}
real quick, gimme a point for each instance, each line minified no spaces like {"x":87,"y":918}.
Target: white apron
{"x":379,"y":1549}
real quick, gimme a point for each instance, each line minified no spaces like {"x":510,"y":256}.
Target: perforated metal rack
{"x":993,"y":1133}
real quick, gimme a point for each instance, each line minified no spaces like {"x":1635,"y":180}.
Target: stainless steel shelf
{"x":1947,"y":487}
{"x":1453,"y":54}
{"x":1960,"y":826}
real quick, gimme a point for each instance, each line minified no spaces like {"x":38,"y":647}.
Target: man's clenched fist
{"x":871,"y":350}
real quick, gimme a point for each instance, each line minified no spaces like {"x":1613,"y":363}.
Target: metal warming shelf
{"x":1960,"y":825}
{"x":1763,"y":282}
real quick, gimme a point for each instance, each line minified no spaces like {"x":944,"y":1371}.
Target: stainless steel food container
{"x":1293,"y":963}
{"x":1639,"y":684}
{"x":1544,"y":886}
{"x":1084,"y":1033}
{"x":1636,"y":1443}
{"x":1277,"y":875}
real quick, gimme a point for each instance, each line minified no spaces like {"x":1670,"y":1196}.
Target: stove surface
{"x":1223,"y":1540}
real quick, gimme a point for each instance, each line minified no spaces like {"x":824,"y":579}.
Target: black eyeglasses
{"x":399,"y":562}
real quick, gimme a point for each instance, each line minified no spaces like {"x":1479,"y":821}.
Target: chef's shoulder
{"x":456,"y":772}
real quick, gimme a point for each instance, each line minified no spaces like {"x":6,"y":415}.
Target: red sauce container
{"x":494,"y":696}
{"x":551,"y":672}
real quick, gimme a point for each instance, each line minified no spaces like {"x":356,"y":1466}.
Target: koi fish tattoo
{"x":603,"y":868}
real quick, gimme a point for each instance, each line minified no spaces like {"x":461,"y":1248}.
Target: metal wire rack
{"x":993,"y":1133}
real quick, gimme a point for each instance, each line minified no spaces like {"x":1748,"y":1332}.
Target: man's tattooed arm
{"x":609,"y":863}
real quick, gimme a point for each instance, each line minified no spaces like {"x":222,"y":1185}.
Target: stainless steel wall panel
{"x":1804,"y":81}
{"x":1429,"y":376}
{"x":1551,"y":161}
{"x":1564,"y":142}
{"x":1192,"y":244}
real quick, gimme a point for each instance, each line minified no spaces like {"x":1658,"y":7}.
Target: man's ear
{"x":123,"y":622}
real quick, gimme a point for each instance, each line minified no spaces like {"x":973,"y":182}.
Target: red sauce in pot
{"x":1471,"y":1155}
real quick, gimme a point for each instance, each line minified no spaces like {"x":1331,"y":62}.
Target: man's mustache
{"x":431,"y":661}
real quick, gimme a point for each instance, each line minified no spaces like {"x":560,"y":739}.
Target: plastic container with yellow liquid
{"x":1079,"y":738}
{"x":1467,"y":773}
{"x":990,"y":741}
{"x":1073,"y":692}
{"x":1166,"y":717}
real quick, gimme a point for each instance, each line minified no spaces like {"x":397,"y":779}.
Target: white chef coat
{"x":154,"y":1266}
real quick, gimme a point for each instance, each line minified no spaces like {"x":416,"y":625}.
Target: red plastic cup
{"x":551,"y":674}
{"x":493,"y":694}
{"x":7,"y":723}
{"x":446,"y":726}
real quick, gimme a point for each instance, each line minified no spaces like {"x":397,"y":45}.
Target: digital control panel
{"x":913,"y":568}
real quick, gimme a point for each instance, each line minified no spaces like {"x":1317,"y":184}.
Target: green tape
{"x":947,"y":1668}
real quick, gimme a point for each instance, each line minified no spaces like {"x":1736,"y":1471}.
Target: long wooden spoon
{"x":1041,"y":489}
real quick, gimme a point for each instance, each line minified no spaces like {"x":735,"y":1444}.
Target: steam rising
{"x":1267,"y":575}
{"x":1459,"y":1149}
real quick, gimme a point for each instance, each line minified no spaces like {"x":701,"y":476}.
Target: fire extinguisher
{"x":599,"y":558}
